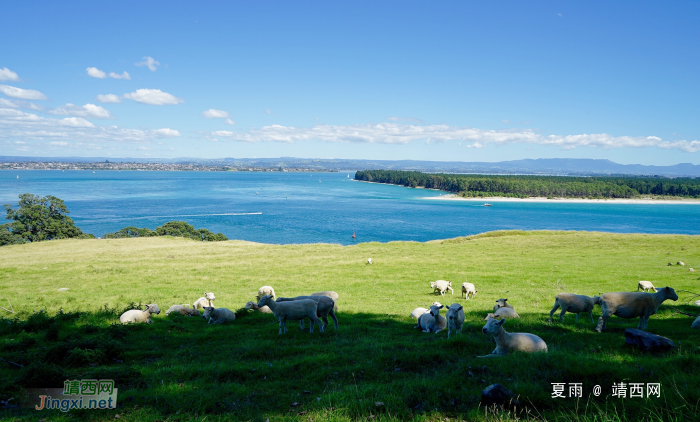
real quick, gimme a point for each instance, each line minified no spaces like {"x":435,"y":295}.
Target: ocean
{"x":284,"y":208}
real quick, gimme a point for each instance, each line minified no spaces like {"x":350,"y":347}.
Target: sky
{"x":446,"y":81}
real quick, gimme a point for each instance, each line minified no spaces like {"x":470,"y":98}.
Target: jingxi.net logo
{"x":76,"y":394}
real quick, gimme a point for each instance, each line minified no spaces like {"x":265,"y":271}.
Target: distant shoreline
{"x":642,"y":201}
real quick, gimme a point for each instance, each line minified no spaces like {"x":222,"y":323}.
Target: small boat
{"x":18,"y":176}
{"x":348,"y":175}
{"x":488,"y":205}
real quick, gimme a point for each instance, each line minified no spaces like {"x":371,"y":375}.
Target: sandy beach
{"x":680,"y":201}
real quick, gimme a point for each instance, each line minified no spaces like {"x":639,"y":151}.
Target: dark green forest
{"x":474,"y":185}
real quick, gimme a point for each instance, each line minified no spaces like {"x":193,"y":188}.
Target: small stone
{"x":647,"y":341}
{"x":307,"y":392}
{"x":496,"y":394}
{"x":117,"y":416}
{"x":295,"y":404}
{"x":379,"y":404}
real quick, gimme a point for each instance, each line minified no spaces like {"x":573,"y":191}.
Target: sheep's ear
{"x":441,"y":306}
{"x":460,"y":308}
{"x":501,"y":322}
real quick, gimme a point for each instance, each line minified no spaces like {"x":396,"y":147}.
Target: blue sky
{"x":457,"y":81}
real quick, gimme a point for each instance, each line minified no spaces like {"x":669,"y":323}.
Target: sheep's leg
{"x":603,"y":320}
{"x":576,"y":317}
{"x":335,"y":319}
{"x":301,"y":323}
{"x":554,"y":309}
{"x":283,"y":327}
{"x":561,"y":314}
{"x":325,"y":322}
{"x":317,"y":321}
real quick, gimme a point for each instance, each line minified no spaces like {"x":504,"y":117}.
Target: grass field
{"x":181,"y":369}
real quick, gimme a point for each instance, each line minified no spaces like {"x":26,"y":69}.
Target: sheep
{"x":205,"y":301}
{"x":646,"y":286}
{"x":265,"y":290}
{"x":328,"y":293}
{"x":468,"y":290}
{"x":632,"y":305}
{"x":416,"y":313}
{"x":325,"y":307}
{"x":501,"y":303}
{"x":509,"y":342}
{"x":137,"y":315}
{"x":503,"y":313}
{"x":218,"y":315}
{"x":575,"y":304}
{"x":681,"y":263}
{"x":432,"y":321}
{"x":295,"y":310}
{"x":441,"y":286}
{"x":369,"y":261}
{"x":455,"y":319}
{"x":696,"y":323}
{"x":697,"y":303}
{"x":183,"y":310}
{"x":254,"y":306}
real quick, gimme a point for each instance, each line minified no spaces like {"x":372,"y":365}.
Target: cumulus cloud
{"x":123,"y":75}
{"x":214,"y":114}
{"x":150,"y":62}
{"x":166,"y":133}
{"x":4,"y":103}
{"x":75,"y":122}
{"x":88,"y":110}
{"x":404,"y":119}
{"x":22,"y":94}
{"x":8,"y":75}
{"x":153,"y":97}
{"x":96,"y":73}
{"x":109,"y":98}
{"x":229,"y":122}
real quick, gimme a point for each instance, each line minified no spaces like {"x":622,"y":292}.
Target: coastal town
{"x":108,"y":165}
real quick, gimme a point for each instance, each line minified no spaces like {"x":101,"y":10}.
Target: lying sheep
{"x":432,"y":321}
{"x":205,"y":301}
{"x":696,"y":323}
{"x":646,"y":286}
{"x":137,"y":315}
{"x":416,"y":313}
{"x":438,"y":304}
{"x":325,"y":307}
{"x":455,"y":319}
{"x":265,"y":290}
{"x":441,"y":286}
{"x":509,"y":342}
{"x":501,"y":303}
{"x":468,"y":290}
{"x":218,"y":315}
{"x":295,"y":311}
{"x":632,"y":305}
{"x":183,"y":310}
{"x":254,"y":306}
{"x":575,"y":304}
{"x":508,"y":313}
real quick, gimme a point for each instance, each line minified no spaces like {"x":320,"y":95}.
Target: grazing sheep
{"x":205,"y":301}
{"x":632,"y":305}
{"x":328,"y":293}
{"x":441,"y":286}
{"x":696,"y":323}
{"x":295,"y":310}
{"x":508,"y":313}
{"x":254,"y":306}
{"x":509,"y":342}
{"x":416,"y":313}
{"x":646,"y":286}
{"x":264,"y":291}
{"x":432,"y":321}
{"x":501,"y":303}
{"x":137,"y":315}
{"x":218,"y":315}
{"x":468,"y":290}
{"x":575,"y":304}
{"x":183,"y":310}
{"x":681,"y":263}
{"x":325,"y":307}
{"x":369,"y":261}
{"x":455,"y":319}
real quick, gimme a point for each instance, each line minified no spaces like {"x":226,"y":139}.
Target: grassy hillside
{"x":181,"y":369}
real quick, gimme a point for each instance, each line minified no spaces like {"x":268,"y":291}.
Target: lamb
{"x":218,"y":315}
{"x":254,"y":306}
{"x":416,"y":313}
{"x":205,"y":301}
{"x":265,"y":290}
{"x":183,"y":310}
{"x":501,"y":303}
{"x":325,"y":306}
{"x":508,"y":313}
{"x":137,"y":315}
{"x":632,"y":305}
{"x":468,"y":290}
{"x":575,"y":304}
{"x":455,"y":319}
{"x":295,"y":310}
{"x":646,"y":286}
{"x":432,"y":321}
{"x":441,"y":286}
{"x":509,"y":342}
{"x":696,"y":323}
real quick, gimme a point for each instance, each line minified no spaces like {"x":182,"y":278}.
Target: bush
{"x":171,"y":228}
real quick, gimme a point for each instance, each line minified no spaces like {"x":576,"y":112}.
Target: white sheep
{"x":438,"y":304}
{"x":254,"y":306}
{"x":697,"y":303}
{"x":509,"y":342}
{"x":646,"y":286}
{"x":294,"y":311}
{"x":441,"y":286}
{"x":205,"y":301}
{"x":369,"y":261}
{"x":218,"y":315}
{"x":501,"y":303}
{"x":325,"y":307}
{"x":183,"y":310}
{"x":328,"y":293}
{"x":696,"y":323}
{"x":265,"y":290}
{"x":468,"y":290}
{"x":432,"y":321}
{"x":137,"y":315}
{"x":508,"y":313}
{"x":575,"y":304}
{"x":455,"y":319}
{"x":632,"y":305}
{"x":416,"y":313}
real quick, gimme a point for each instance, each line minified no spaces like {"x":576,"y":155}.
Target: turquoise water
{"x":315,"y":207}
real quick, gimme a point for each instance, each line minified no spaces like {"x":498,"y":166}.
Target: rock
{"x":696,"y":323}
{"x":63,"y":289}
{"x":379,"y":404}
{"x":498,"y":395}
{"x":697,"y":303}
{"x":647,"y":341}
{"x":681,"y":263}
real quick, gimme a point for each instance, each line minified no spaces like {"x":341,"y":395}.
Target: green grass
{"x":183,"y":369}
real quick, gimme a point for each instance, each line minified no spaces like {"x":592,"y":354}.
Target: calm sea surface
{"x":315,"y":207}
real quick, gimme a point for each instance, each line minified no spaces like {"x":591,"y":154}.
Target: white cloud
{"x":58,"y":143}
{"x":153,"y":97}
{"x":166,"y":133}
{"x":150,"y":62}
{"x":123,"y":75}
{"x":506,"y":121}
{"x":214,"y":114}
{"x":229,"y":122}
{"x":8,"y":75}
{"x":404,"y":119}
{"x":109,"y":98}
{"x":267,"y":110}
{"x":96,"y":73}
{"x":20,"y":104}
{"x":88,"y":110}
{"x":75,"y":122}
{"x":223,"y":133}
{"x":22,"y":94}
